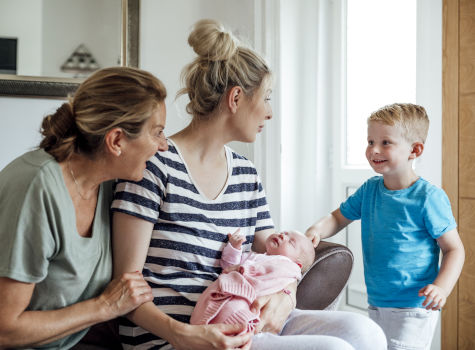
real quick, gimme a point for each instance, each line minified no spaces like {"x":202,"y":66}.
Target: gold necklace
{"x":75,"y":181}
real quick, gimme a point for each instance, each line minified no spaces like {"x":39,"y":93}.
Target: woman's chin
{"x":250,"y":139}
{"x":136,"y":177}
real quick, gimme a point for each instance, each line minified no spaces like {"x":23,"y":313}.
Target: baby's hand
{"x":435,"y":297}
{"x":236,"y":239}
{"x":313,"y":235}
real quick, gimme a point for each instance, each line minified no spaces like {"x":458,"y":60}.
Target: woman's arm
{"x":131,"y":240}
{"x":20,"y":328}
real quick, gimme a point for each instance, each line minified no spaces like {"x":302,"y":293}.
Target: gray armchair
{"x":319,"y":289}
{"x":321,"y":286}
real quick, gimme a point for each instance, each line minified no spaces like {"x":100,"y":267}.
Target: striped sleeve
{"x":247,"y":179}
{"x":143,"y":199}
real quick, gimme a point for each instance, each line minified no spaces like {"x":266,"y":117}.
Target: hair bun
{"x":211,"y":41}
{"x":59,"y":132}
{"x":61,"y":123}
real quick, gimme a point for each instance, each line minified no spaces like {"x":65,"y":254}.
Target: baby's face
{"x":290,"y":244}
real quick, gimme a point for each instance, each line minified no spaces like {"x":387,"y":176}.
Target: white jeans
{"x":324,"y":330}
{"x":406,"y":328}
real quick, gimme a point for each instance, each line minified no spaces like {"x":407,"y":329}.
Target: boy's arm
{"x":327,"y":226}
{"x":453,"y":256}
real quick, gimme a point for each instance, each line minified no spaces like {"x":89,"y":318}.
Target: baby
{"x":247,"y":276}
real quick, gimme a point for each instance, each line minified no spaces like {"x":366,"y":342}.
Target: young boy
{"x":247,"y":276}
{"x":404,"y":222}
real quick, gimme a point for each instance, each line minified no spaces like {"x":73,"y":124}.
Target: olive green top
{"x":39,"y":240}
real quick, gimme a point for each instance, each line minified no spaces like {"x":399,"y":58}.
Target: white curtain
{"x":301,"y":39}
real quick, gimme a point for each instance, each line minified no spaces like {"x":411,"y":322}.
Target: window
{"x":380,"y":65}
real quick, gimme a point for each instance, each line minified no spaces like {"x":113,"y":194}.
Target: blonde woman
{"x":173,"y":225}
{"x":55,"y":256}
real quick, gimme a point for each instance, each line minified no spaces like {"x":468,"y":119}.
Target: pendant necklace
{"x":75,"y":181}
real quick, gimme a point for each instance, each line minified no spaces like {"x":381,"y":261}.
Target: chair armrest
{"x":324,"y":281}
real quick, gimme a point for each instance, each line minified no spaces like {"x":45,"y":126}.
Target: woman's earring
{"x":119,"y":152}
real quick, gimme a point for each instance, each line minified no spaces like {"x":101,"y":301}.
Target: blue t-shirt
{"x":398,"y":232}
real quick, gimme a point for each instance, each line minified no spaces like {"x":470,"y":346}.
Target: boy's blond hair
{"x":412,"y":119}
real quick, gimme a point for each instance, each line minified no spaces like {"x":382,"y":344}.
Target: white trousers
{"x":324,"y":330}
{"x":406,"y":328}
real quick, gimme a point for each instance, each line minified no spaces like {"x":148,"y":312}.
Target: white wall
{"x":164,"y":51}
{"x":27,"y":29}
{"x":21,"y":120}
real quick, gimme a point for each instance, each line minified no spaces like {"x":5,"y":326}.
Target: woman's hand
{"x":212,"y":336}
{"x":274,"y":310}
{"x":125,"y":293}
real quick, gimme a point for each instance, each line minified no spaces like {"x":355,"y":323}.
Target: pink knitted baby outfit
{"x":228,"y":299}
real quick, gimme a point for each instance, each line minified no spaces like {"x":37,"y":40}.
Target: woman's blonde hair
{"x":221,"y":64}
{"x":120,"y":97}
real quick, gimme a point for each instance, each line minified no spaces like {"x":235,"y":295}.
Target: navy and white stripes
{"x":189,"y":231}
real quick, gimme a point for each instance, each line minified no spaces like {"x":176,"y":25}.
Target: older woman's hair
{"x":222,"y":63}
{"x":113,"y":97}
{"x":411,"y":118}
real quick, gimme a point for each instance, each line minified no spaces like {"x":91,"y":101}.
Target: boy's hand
{"x":236,"y":239}
{"x":313,"y":235}
{"x":435,"y":297}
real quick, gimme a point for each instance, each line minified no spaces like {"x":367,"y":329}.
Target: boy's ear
{"x":417,"y":149}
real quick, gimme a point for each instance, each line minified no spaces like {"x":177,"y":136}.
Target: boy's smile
{"x":379,"y":161}
{"x":388,"y":152}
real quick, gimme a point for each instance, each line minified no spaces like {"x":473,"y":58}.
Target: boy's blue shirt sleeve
{"x":351,"y":208}
{"x":438,"y":217}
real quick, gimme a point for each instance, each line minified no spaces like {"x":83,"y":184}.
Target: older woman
{"x":55,"y":256}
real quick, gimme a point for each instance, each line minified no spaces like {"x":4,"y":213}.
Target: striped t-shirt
{"x":190,"y":231}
